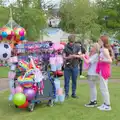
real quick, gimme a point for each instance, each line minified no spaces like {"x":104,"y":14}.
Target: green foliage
{"x":118,"y":37}
{"x":111,"y":9}
{"x":78,"y":17}
{"x":4,"y":15}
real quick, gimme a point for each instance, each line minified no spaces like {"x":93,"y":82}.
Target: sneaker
{"x":105,"y":107}
{"x":66,"y":96}
{"x":81,"y":76}
{"x":91,"y":104}
{"x":74,"y":96}
{"x":101,"y":106}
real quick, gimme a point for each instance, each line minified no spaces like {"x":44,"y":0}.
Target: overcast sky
{"x":52,"y":1}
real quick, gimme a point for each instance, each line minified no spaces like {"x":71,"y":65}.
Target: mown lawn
{"x":4,"y":72}
{"x":115,"y":72}
{"x":71,"y":109}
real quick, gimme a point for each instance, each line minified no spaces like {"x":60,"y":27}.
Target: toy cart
{"x":49,"y":94}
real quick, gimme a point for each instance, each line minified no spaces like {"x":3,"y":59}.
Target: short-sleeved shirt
{"x":93,"y":64}
{"x":70,"y":50}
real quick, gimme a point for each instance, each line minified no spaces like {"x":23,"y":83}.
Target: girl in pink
{"x":104,"y":71}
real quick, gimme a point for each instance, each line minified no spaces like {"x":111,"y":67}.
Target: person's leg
{"x":81,"y":68}
{"x":67,"y":74}
{"x":93,"y":91}
{"x":105,"y":94}
{"x":74,"y":80}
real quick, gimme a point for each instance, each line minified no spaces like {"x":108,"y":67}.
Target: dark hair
{"x":78,"y":42}
{"x":71,"y":38}
{"x":106,"y":44}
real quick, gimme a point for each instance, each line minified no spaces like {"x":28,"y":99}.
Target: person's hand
{"x":79,"y":53}
{"x":71,"y":56}
{"x":76,"y":56}
{"x":83,"y":55}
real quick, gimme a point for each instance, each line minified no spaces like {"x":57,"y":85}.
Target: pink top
{"x":103,"y":68}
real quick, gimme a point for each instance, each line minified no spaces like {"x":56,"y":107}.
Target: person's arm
{"x":92,"y":59}
{"x":86,"y":60}
{"x":67,"y":57}
{"x":106,"y":53}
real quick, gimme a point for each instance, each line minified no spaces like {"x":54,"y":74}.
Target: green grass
{"x":71,"y":109}
{"x":4,"y":72}
{"x":115,"y":72}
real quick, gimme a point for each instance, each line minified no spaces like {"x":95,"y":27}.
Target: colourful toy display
{"x":29,"y":77}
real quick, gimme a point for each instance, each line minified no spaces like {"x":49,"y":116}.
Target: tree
{"x":109,"y":14}
{"x":78,"y":16}
{"x":4,"y":15}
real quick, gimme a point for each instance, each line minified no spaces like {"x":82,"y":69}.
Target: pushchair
{"x":48,"y":91}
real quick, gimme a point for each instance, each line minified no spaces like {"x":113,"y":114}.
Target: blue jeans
{"x":70,"y":72}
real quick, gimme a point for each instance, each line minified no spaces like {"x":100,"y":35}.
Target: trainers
{"x":101,"y":106}
{"x":91,"y":104}
{"x":104,"y":107}
{"x":81,"y":76}
{"x":66,"y":96}
{"x":74,"y":96}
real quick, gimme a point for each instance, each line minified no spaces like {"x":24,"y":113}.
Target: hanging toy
{"x":7,"y":32}
{"x":20,"y":33}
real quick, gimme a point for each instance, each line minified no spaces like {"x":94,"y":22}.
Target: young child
{"x":92,"y":75}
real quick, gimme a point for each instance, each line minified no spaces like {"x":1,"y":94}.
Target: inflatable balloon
{"x":18,"y":89}
{"x":19,"y":99}
{"x":5,"y":51}
{"x":25,"y":105}
{"x":0,"y":37}
{"x":29,"y":93}
{"x":22,"y":38}
{"x":4,"y":34}
{"x":20,"y":31}
{"x":6,"y":31}
{"x":9,"y":37}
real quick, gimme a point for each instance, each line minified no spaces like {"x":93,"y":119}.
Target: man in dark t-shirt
{"x":71,"y":62}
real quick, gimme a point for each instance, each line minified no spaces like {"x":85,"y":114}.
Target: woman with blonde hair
{"x":92,"y":75}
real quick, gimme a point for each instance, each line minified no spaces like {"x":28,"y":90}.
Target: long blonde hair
{"x":97,"y":46}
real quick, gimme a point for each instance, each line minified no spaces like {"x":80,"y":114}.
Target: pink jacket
{"x":104,"y":68}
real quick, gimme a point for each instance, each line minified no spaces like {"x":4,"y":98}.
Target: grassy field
{"x":115,"y":72}
{"x":4,"y":72}
{"x":71,"y":109}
